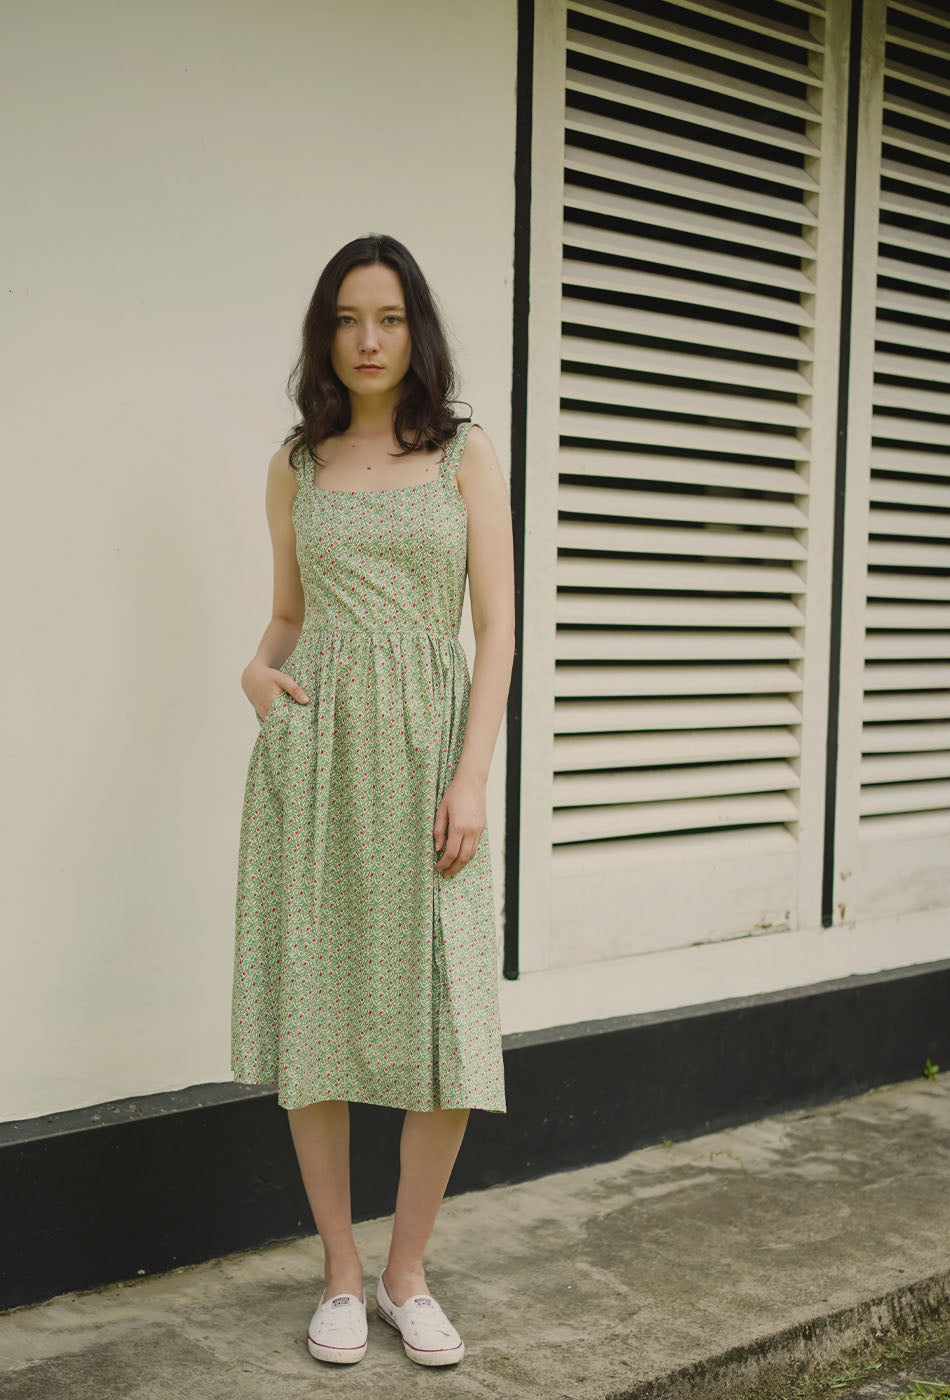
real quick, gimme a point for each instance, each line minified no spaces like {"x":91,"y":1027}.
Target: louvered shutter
{"x":699,"y":281}
{"x":896,"y":851}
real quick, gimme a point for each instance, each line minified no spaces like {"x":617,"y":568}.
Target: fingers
{"x":292,"y":688}
{"x":459,"y":850}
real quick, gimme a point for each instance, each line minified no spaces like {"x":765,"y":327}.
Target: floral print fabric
{"x":360,"y":971}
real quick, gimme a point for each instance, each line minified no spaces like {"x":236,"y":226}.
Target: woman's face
{"x":371,"y":328}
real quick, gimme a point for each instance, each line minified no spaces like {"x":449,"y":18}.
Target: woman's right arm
{"x":262,"y":677}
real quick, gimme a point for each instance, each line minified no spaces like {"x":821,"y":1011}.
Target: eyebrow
{"x":397,"y":307}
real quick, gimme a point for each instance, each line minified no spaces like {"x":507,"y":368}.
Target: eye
{"x":344,"y":317}
{"x":393,"y":317}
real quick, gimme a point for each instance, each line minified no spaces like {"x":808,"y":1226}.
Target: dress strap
{"x":301,"y":462}
{"x":454,"y":449}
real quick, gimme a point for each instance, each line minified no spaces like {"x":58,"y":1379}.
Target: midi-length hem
{"x":360,"y":971}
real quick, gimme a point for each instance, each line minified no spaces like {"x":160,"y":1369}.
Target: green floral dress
{"x":360,"y":971}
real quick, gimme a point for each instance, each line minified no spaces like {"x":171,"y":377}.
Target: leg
{"x":321,"y":1136}
{"x":427,"y":1151}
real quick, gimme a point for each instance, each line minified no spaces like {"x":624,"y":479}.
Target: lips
{"x":369,"y":366}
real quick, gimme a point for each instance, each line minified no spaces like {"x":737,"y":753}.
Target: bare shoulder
{"x":281,"y":477}
{"x":479,"y":460}
{"x":280,"y":462}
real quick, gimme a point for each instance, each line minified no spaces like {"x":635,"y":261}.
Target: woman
{"x":366,"y":955}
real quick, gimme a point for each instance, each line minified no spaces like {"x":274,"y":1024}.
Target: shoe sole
{"x":339,"y":1354}
{"x":424,"y":1358}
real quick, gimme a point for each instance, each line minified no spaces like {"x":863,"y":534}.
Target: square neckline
{"x":383,"y":490}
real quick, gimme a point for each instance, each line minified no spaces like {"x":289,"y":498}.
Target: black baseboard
{"x":139,"y":1186}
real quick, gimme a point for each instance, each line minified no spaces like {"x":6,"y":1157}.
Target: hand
{"x":459,"y":823}
{"x":258,"y":683}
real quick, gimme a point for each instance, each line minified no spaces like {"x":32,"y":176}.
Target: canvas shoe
{"x":427,"y":1334}
{"x":338,"y":1330}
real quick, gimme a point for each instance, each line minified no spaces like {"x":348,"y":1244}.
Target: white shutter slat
{"x":644,"y":679}
{"x":915,"y":337}
{"x":611,"y":354}
{"x":693,"y":403}
{"x":646,"y":818}
{"x":588,"y":753}
{"x":910,"y":303}
{"x":693,"y":471}
{"x":911,"y":429}
{"x":920,"y":9}
{"x":762,"y":22}
{"x":587,"y":239}
{"x":680,"y":575}
{"x":891,"y":554}
{"x":650,"y":432}
{"x":657,"y":179}
{"x":907,"y":107}
{"x":917,"y":272}
{"x":703,"y":542}
{"x":914,"y":241}
{"x":643,"y":138}
{"x":915,"y":77}
{"x":916,"y":400}
{"x":907,"y":39}
{"x":896,"y":585}
{"x":626,"y":281}
{"x":904,"y":677}
{"x":914,"y":493}
{"x":578,"y":199}
{"x":925,"y":827}
{"x":706,"y":118}
{"x":893,"y":798}
{"x":678,"y":781}
{"x":911,"y":738}
{"x":622,"y":716}
{"x":913,"y":141}
{"x":902,"y":459}
{"x":707,"y":510}
{"x":906,"y":768}
{"x":631,"y":644}
{"x":691,"y":76}
{"x":697,"y":41}
{"x":882,"y":708}
{"x":896,"y":202}
{"x":611,"y":610}
{"x":889,"y":617}
{"x":598,"y":316}
{"x":917,"y":175}
{"x":892,"y":646}
{"x":911,"y":367}
{"x":911,"y":522}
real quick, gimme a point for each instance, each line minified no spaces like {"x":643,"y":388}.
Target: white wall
{"x":176,"y":175}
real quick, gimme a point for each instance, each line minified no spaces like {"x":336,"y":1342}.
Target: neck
{"x":372,"y":417}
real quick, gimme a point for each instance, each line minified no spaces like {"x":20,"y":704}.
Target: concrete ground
{"x":767,"y":1262}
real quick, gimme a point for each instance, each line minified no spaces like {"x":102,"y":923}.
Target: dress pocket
{"x":278,"y":700}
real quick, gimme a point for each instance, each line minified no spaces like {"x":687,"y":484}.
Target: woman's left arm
{"x":460,"y":818}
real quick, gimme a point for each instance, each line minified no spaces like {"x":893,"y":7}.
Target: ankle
{"x":402,"y":1281}
{"x":349,"y":1269}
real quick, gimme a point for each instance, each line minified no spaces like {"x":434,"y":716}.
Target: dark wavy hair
{"x":423,"y":417}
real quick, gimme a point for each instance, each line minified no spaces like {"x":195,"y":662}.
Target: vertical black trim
{"x":841,"y":461}
{"x":519,"y":418}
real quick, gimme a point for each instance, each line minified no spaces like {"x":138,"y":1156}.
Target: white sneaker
{"x":427,"y":1334}
{"x":338,"y":1330}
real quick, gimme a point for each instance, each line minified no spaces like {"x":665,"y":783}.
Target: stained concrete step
{"x":719,"y":1268}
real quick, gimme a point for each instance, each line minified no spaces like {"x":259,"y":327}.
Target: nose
{"x":368,"y":338}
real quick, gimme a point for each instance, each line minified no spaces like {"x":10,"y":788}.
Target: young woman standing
{"x":365,"y":945}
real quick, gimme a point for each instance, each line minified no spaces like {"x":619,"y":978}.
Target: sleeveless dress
{"x":360,"y":971}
